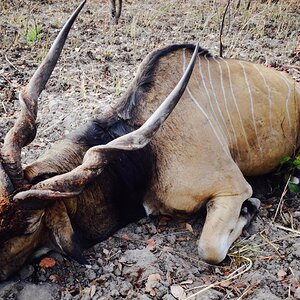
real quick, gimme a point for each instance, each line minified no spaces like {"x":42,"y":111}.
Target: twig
{"x":222,"y":27}
{"x":10,"y":63}
{"x":281,"y":198}
{"x":292,"y":67}
{"x":297,"y":232}
{"x":248,"y":289}
{"x":272,"y":245}
{"x":229,"y":277}
{"x":5,"y":78}
{"x":4,"y":108}
{"x":113,"y":255}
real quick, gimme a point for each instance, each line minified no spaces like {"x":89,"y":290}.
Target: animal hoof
{"x":251,"y":206}
{"x":249,"y":209}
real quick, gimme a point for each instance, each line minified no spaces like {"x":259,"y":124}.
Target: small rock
{"x":114,"y":293}
{"x":26,"y":272}
{"x":139,"y":259}
{"x":85,"y":297}
{"x":100,"y":261}
{"x":108,"y":268}
{"x":124,"y":288}
{"x":117,"y":272}
{"x":42,"y":277}
{"x":296,"y":248}
{"x":264,"y":294}
{"x":56,"y":256}
{"x":66,"y":296}
{"x":178,"y":292}
{"x":90,"y":274}
{"x":138,"y":230}
{"x":171,"y":238}
{"x":37,"y":292}
{"x":144,"y":297}
{"x":297,"y":293}
{"x":151,"y":228}
{"x":168,"y":297}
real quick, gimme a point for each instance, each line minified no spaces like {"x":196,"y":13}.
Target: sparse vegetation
{"x":33,"y":33}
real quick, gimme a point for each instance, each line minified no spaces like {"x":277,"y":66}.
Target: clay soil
{"x":155,"y":258}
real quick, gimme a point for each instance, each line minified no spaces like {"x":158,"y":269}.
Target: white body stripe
{"x":210,"y":102}
{"x":270,"y":98}
{"x":236,"y":104}
{"x":251,"y":103}
{"x":216,"y":101}
{"x":287,"y":99}
{"x":226,"y":105}
{"x":224,"y":147}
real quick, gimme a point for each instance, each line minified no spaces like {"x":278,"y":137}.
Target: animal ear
{"x":60,"y":227}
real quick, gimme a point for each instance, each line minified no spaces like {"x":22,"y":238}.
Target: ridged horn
{"x":24,"y":129}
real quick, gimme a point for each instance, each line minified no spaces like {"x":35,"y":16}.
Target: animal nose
{"x":3,"y":275}
{"x":212,"y":254}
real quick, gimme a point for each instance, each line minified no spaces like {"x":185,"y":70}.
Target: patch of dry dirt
{"x":154,"y":258}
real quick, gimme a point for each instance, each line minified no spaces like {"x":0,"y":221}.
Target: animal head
{"x":32,"y":208}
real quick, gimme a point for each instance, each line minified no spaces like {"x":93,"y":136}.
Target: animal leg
{"x":225,"y":220}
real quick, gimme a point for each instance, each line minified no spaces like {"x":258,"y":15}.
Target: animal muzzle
{"x":213,"y":253}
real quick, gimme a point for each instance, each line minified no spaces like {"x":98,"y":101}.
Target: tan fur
{"x":188,"y":148}
{"x":194,"y":167}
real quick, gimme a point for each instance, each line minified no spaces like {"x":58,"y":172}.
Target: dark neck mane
{"x":139,"y":87}
{"x":145,"y":77}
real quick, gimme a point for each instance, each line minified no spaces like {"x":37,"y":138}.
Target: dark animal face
{"x":16,"y":250}
{"x":19,"y":229}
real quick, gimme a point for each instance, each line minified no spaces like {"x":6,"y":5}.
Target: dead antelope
{"x":234,"y":118}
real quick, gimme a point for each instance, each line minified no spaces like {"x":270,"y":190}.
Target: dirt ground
{"x":154,"y":258}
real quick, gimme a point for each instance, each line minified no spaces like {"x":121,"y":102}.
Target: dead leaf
{"x":154,"y":277}
{"x":54,"y":278}
{"x":281,"y":274}
{"x":125,"y":237}
{"x":225,"y":283}
{"x":150,"y":284}
{"x":178,"y":292}
{"x":169,"y":278}
{"x":92,"y":291}
{"x":47,"y":262}
{"x":105,"y":251}
{"x":265,"y":231}
{"x":182,"y":238}
{"x":189,"y":281}
{"x":189,"y":228}
{"x":151,"y":244}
